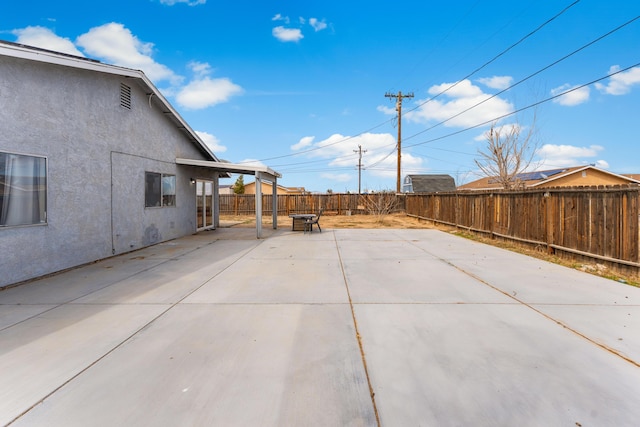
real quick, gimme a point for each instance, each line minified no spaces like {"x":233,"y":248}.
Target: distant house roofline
{"x":580,"y":169}
{"x":489,"y":183}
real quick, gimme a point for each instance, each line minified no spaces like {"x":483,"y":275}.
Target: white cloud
{"x":212,"y":142}
{"x":117,"y":45}
{"x":621,"y":83}
{"x":572,"y":97}
{"x":204,"y":91}
{"x":386,"y":110}
{"x":459,"y":98}
{"x":497,"y":82}
{"x":317,"y":25}
{"x":303,"y":143}
{"x":337,"y":177}
{"x":188,"y":2}
{"x":200,"y":68}
{"x":287,"y":34}
{"x":279,"y":17}
{"x":552,"y":155}
{"x":207,"y":92}
{"x":44,"y":38}
{"x":381,"y":156}
{"x":252,"y":162}
{"x":502,"y":129}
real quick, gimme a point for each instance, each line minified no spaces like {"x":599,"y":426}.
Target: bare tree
{"x":509,"y":152}
{"x":379,"y":204}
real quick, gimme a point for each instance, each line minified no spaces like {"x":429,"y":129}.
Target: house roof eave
{"x":51,"y":57}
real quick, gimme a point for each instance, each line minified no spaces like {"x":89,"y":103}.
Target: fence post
{"x":549,"y":221}
{"x":492,"y":214}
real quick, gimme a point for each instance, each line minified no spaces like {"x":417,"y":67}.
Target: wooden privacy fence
{"x":601,"y":222}
{"x":338,"y":204}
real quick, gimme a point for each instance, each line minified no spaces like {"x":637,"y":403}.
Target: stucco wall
{"x":97,"y":153}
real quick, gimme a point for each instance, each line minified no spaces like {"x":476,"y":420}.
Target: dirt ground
{"x":337,"y":221}
{"x":403,"y":221}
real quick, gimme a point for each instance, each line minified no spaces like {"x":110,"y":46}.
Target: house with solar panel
{"x":579,"y":176}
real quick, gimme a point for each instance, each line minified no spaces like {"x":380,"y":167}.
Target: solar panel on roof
{"x":532,"y":176}
{"x":537,"y":175}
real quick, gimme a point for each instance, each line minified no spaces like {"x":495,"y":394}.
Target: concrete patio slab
{"x":415,"y":281}
{"x":40,"y":355}
{"x":219,"y":328}
{"x":260,"y":365}
{"x":76,"y":283}
{"x":269,"y":280}
{"x":616,"y":327}
{"x":12,"y":314}
{"x":490,"y":365}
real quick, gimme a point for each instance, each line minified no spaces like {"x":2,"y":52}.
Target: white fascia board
{"x":230,"y":167}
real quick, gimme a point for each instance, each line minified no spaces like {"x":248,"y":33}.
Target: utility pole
{"x":399,"y":97}
{"x":359,"y":151}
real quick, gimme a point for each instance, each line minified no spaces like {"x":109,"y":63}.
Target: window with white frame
{"x":159,"y":190}
{"x":23,"y":190}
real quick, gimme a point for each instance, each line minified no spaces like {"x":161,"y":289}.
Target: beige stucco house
{"x":579,"y":176}
{"x":267,"y":187}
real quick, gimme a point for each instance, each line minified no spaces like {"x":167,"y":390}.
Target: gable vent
{"x":125,"y":96}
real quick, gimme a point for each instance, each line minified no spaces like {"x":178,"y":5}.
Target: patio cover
{"x":261,"y":173}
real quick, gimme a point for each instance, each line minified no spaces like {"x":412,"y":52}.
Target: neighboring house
{"x":250,"y":188}
{"x":579,"y":176}
{"x":94,"y":162}
{"x":428,"y":184}
{"x":226,"y":189}
{"x":635,"y":176}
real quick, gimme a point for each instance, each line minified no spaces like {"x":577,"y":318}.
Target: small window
{"x":23,"y":190}
{"x":159,"y":190}
{"x":125,"y":96}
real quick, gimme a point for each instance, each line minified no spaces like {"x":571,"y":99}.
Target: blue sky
{"x":300,"y":85}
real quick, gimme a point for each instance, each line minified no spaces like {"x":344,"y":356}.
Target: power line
{"x":551,"y":98}
{"x":498,"y":55}
{"x":497,"y":94}
{"x":528,"y":77}
{"x":535,"y":104}
{"x":327,"y":145}
{"x":434,"y":97}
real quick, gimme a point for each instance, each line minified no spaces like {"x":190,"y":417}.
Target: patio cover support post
{"x":259,"y":204}
{"x":274,"y":202}
{"x":216,"y":198}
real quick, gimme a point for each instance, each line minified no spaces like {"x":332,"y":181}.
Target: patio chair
{"x":308,"y":224}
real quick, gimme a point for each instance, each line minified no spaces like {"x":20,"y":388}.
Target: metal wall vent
{"x":125,"y":96}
